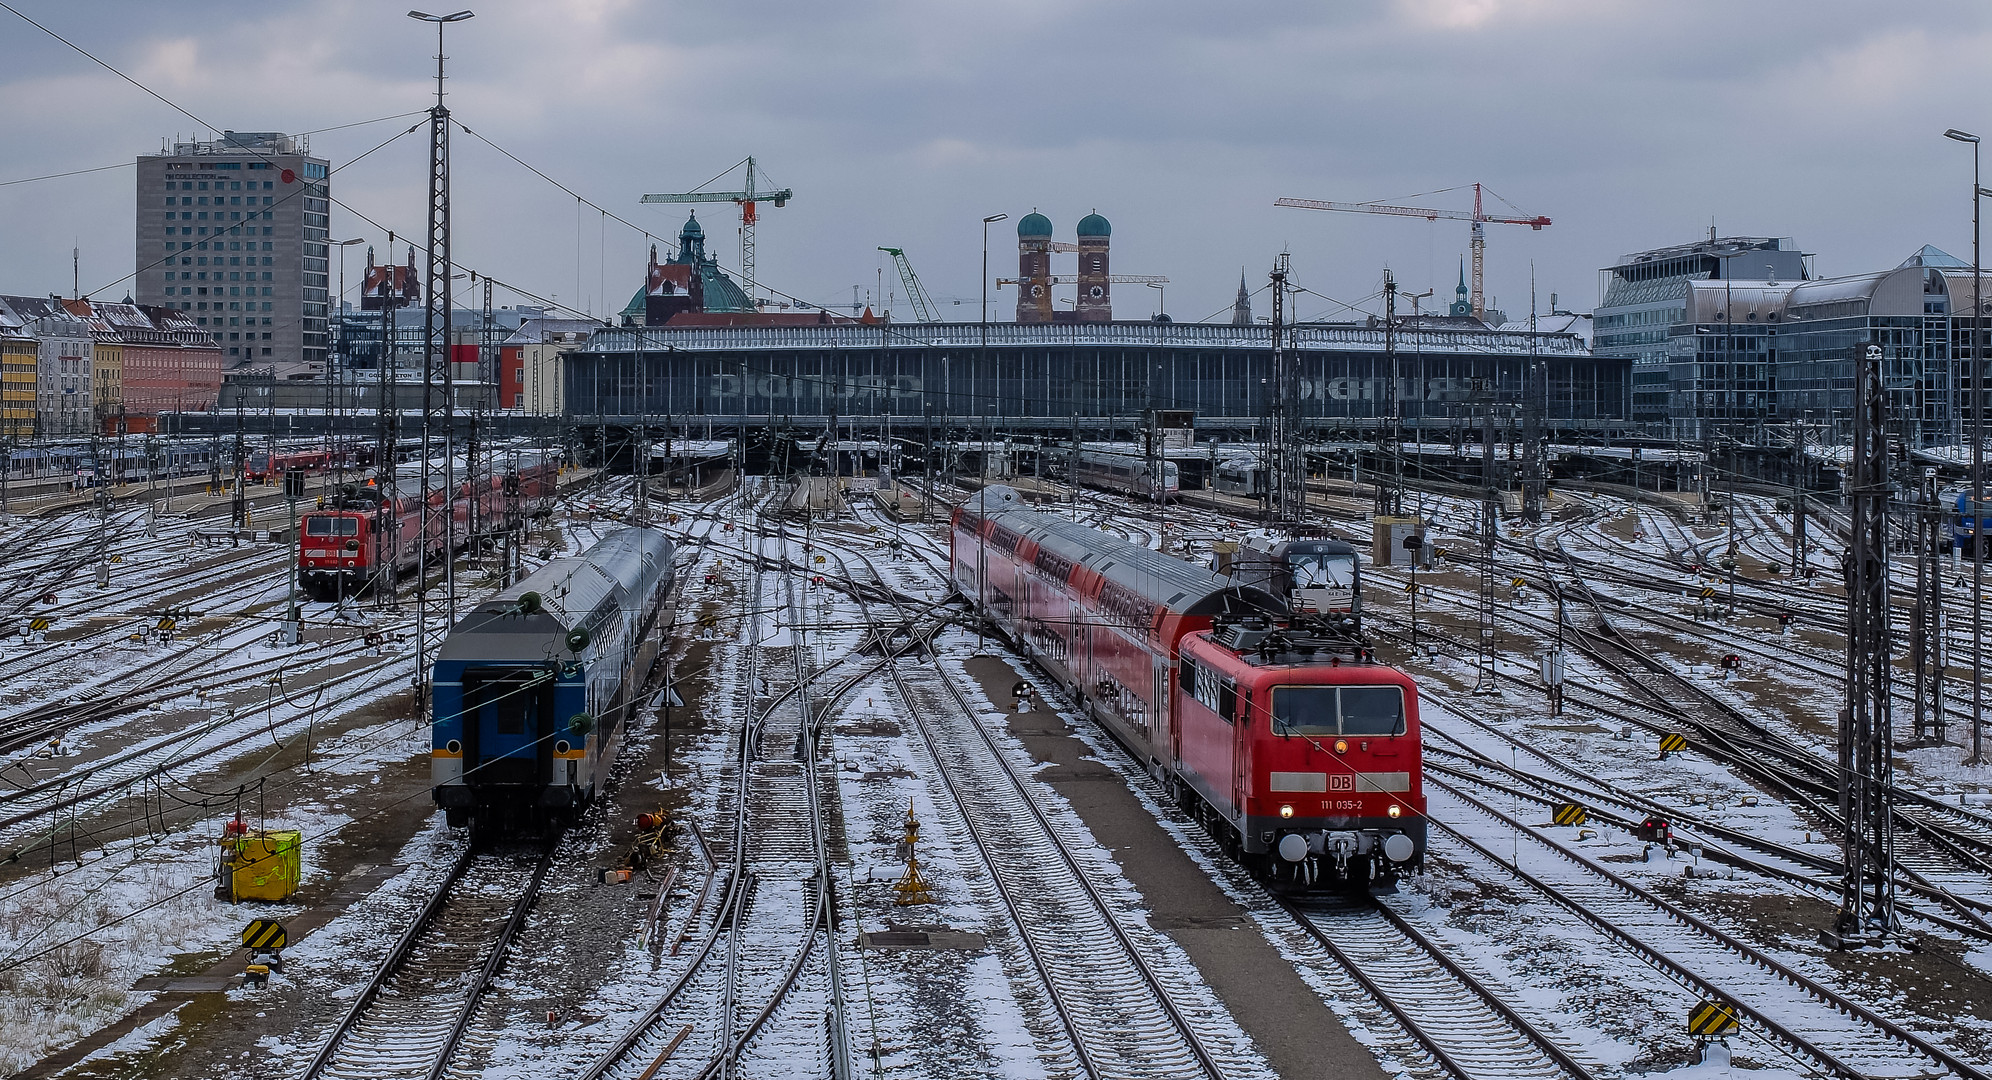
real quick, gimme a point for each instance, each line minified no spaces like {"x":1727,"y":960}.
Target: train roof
{"x":1181,"y":587}
{"x":570,"y":589}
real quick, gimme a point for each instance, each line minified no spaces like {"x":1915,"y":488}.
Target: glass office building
{"x":1645,"y":296}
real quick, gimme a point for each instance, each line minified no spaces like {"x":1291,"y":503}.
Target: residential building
{"x":171,"y":364}
{"x":1646,"y":294}
{"x":63,"y":353}
{"x":106,"y":365}
{"x":18,"y":350}
{"x":531,"y":364}
{"x":234,"y":233}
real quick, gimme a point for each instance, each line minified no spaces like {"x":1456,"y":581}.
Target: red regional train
{"x":1299,"y":753}
{"x":344,"y":545}
{"x":264,"y":466}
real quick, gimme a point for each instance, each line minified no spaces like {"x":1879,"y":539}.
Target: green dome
{"x":1033,"y":225}
{"x":692,"y":227}
{"x":1094,"y":225}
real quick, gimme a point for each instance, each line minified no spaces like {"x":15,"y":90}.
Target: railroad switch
{"x":911,"y":888}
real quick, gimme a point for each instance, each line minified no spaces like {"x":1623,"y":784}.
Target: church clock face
{"x":1096,"y":292}
{"x":1037,"y":290}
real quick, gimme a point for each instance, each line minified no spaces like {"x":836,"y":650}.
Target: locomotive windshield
{"x":331,"y":526}
{"x":1316,"y":571}
{"x":1338,"y":710}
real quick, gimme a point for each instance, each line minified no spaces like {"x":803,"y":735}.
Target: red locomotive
{"x":1297,"y":751}
{"x":345,"y":545}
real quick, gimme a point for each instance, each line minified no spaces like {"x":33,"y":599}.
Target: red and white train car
{"x":1301,"y":755}
{"x":346,"y":544}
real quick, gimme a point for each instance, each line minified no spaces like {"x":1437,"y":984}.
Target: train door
{"x":506,"y":710}
{"x":1241,"y":756}
{"x":1162,"y":724}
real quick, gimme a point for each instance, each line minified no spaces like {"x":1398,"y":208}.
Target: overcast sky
{"x":1631,"y":125}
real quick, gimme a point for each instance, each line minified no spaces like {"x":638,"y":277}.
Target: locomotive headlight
{"x":1341,"y":746}
{"x":1396,"y":810}
{"x":1286,"y":810}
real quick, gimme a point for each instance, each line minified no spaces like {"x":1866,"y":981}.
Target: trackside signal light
{"x":1286,"y":810}
{"x":1396,"y":810}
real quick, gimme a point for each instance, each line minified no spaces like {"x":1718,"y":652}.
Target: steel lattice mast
{"x":1867,"y":899}
{"x":438,"y":406}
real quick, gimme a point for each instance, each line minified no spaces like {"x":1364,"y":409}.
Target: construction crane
{"x":1478,"y":217}
{"x":745,"y":198}
{"x":923,"y":307}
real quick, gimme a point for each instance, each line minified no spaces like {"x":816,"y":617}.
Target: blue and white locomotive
{"x":533,"y":689}
{"x":1966,"y":524}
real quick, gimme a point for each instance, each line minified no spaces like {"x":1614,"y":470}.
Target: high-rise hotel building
{"x":234,"y":234}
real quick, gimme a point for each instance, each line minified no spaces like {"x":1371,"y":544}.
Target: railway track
{"x":407,"y":1020}
{"x":1123,"y":1015}
{"x":1809,"y":1019}
{"x":750,"y":957}
{"x":1467,"y":1027}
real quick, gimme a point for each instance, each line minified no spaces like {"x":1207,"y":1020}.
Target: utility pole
{"x":1926,"y":625}
{"x":1283,"y":454}
{"x":1535,"y":394}
{"x":1390,"y":424}
{"x":1484,"y":681}
{"x":438,"y":406}
{"x":1867,"y":896}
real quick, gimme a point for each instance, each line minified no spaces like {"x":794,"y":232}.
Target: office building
{"x":1646,"y":294}
{"x":233,"y":233}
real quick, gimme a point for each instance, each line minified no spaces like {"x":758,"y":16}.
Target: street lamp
{"x":986,"y":222}
{"x":1977,"y":468}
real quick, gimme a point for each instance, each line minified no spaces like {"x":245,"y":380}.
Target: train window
{"x":1304,"y":710}
{"x":1372,"y":710}
{"x":318,"y":526}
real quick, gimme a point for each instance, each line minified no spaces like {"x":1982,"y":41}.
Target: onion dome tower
{"x":1095,"y":299}
{"x":1034,"y":268}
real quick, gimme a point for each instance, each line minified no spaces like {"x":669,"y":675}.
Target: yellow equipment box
{"x":261,"y":865}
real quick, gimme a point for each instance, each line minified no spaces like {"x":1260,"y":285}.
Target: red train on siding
{"x":344,"y":545}
{"x":1300,"y":754}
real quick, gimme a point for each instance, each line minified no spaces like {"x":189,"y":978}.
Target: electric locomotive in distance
{"x":346,"y":545}
{"x":1319,"y":577}
{"x":1966,"y":526}
{"x":1297,"y":751}
{"x":532,"y":688}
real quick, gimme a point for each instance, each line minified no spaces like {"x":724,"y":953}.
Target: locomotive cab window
{"x":1322,"y":571}
{"x":1338,"y":710}
{"x":1304,"y":710}
{"x":330,"y":526}
{"x":1372,"y":710}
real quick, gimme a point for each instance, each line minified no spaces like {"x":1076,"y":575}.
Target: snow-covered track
{"x":407,"y":1020}
{"x":1844,"y":1037}
{"x":1466,"y":1027}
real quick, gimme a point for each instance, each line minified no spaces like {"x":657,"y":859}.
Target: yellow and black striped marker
{"x":1570,"y":814}
{"x":1672,"y":743}
{"x":38,"y":623}
{"x":1518,"y":582}
{"x":1410,"y":587}
{"x":264,"y":935}
{"x":168,"y":623}
{"x":1708,"y":592}
{"x":1710,"y":1019}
